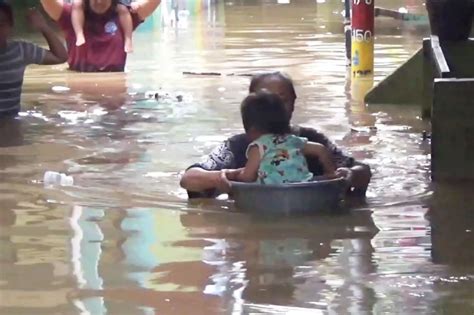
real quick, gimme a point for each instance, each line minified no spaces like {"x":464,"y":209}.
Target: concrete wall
{"x":412,"y":82}
{"x":403,"y":86}
{"x":460,"y":57}
{"x":452,"y":144}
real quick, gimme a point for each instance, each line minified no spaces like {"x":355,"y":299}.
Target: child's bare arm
{"x":250,"y":171}
{"x":320,"y":151}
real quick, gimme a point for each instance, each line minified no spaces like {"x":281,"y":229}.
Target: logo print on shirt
{"x":110,"y":27}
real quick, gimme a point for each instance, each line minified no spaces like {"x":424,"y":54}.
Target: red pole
{"x":362,"y":37}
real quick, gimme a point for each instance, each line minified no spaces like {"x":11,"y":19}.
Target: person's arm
{"x":318,"y":150}
{"x":250,"y":172}
{"x":57,"y":53}
{"x":360,"y":178}
{"x":339,"y":158}
{"x":206,"y":176}
{"x":144,"y":8}
{"x":358,"y":174}
{"x":54,"y":8}
{"x":197,"y":179}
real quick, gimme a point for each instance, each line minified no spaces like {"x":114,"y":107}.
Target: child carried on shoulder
{"x":123,"y":10}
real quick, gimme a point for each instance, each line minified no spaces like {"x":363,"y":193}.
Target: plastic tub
{"x":319,"y":196}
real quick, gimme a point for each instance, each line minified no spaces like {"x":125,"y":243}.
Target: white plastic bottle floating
{"x":60,"y":89}
{"x":57,"y":179}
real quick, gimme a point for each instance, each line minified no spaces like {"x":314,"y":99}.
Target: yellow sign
{"x":362,"y":58}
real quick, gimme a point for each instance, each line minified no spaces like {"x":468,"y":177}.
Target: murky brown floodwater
{"x":125,"y":240}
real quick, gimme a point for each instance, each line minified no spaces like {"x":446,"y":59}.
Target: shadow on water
{"x":11,"y":131}
{"x":451,"y":217}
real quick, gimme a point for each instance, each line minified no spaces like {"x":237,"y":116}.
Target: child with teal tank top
{"x":275,"y":156}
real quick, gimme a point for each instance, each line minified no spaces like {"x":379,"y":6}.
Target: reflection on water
{"x":124,"y":239}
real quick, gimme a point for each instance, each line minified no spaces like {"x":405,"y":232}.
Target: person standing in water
{"x":16,"y":55}
{"x":104,"y":35}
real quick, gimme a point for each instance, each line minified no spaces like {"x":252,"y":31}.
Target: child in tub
{"x":207,"y":179}
{"x":275,"y":155}
{"x":125,"y":18}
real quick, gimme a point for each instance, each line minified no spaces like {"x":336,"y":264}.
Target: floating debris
{"x":60,"y":89}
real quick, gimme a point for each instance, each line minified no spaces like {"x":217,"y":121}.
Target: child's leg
{"x":77,"y":19}
{"x":127,"y":26}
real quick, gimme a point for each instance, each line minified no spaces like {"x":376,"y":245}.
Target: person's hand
{"x":233,"y":175}
{"x":223,"y":184}
{"x":345,"y":173}
{"x":36,"y":20}
{"x":225,"y":177}
{"x":134,"y":6}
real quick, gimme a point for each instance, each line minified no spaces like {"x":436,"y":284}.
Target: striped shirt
{"x":13,"y":61}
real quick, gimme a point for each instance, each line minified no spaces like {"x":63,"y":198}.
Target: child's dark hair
{"x":285,"y":78}
{"x":7,"y":9}
{"x":265,"y":112}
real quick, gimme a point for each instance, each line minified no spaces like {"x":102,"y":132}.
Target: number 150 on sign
{"x":361,"y":35}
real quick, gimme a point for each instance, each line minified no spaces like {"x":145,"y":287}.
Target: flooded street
{"x":124,"y":239}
